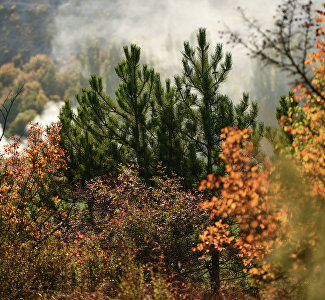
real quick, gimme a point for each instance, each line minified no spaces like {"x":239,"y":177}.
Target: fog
{"x":49,"y":114}
{"x":159,"y":28}
{"x":3,"y":141}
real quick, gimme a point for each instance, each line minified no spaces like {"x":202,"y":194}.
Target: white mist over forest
{"x":159,"y":28}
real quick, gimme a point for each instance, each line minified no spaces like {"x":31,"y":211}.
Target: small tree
{"x":208,"y":111}
{"x":286,"y":45}
{"x":6,"y":108}
{"x":122,"y":124}
{"x":30,"y":209}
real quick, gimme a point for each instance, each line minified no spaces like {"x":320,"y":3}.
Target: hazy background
{"x":158,"y":27}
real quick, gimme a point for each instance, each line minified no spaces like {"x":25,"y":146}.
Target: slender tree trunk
{"x":209,"y":166}
{"x":137,"y":142}
{"x":215,"y":267}
{"x":170,"y":152}
{"x":215,"y":272}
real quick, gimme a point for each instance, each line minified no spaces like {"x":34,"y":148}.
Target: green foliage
{"x":167,"y":119}
{"x":148,"y":125}
{"x":207,"y":110}
{"x":87,"y":157}
{"x":133,"y":98}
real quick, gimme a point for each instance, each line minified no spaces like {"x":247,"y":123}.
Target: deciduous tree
{"x":30,"y":210}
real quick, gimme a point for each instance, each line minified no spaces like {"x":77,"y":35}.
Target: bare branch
{"x":285,"y":45}
{"x":7,"y":106}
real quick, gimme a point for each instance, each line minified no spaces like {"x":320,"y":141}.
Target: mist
{"x":49,"y":114}
{"x":159,"y":28}
{"x":3,"y":141}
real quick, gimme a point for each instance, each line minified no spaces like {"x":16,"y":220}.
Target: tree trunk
{"x":209,"y":166}
{"x":215,"y":273}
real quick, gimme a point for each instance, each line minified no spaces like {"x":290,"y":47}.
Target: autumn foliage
{"x":158,"y":224}
{"x":31,"y":213}
{"x":30,"y":210}
{"x":242,"y":201}
{"x":308,"y":119}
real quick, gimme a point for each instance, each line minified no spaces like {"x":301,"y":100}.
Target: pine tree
{"x":120,"y":126}
{"x":133,"y":96}
{"x":87,"y":157}
{"x":177,"y":126}
{"x":175,"y":154}
{"x":208,"y":112}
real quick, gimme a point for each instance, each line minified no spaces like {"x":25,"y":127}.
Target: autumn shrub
{"x":280,"y":221}
{"x":50,"y":269}
{"x":162,"y":221}
{"x":138,"y":282}
{"x":133,"y":285}
{"x":25,"y":270}
{"x":32,"y":214}
{"x":62,"y":263}
{"x":31,"y":211}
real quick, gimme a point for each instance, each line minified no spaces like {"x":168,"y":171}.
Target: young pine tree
{"x":121,"y":128}
{"x":175,"y":154}
{"x":208,"y":112}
